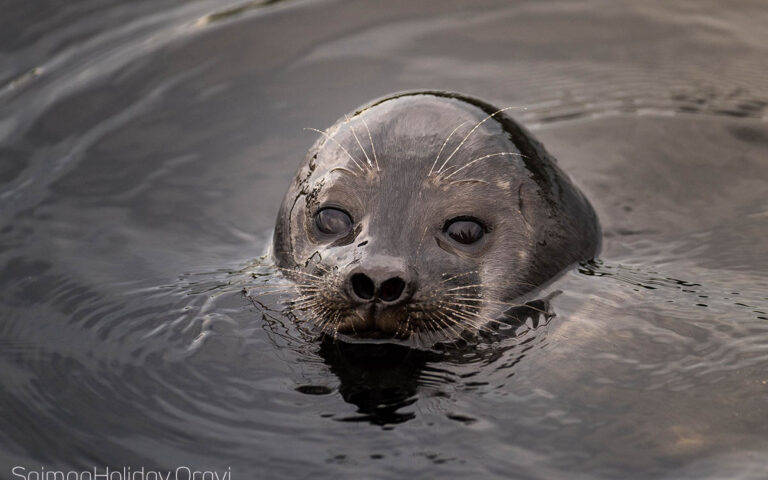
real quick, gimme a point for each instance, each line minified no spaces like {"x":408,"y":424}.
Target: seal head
{"x":427,"y":213}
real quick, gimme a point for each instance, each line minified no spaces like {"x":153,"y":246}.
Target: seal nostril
{"x":363,"y":286}
{"x":391,"y":289}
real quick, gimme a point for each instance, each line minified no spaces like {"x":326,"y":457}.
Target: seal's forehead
{"x":417,"y":127}
{"x":420,"y":133}
{"x":421,"y":115}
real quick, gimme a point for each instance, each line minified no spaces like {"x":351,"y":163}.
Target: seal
{"x":427,"y":214}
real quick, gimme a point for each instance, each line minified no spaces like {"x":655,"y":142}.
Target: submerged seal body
{"x":427,"y":213}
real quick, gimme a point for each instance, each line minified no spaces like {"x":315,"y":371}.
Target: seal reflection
{"x":382,"y":379}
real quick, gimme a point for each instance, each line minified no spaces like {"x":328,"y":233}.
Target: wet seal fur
{"x":426,"y":215}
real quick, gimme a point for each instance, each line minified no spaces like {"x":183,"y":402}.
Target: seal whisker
{"x":461,"y":294}
{"x":474,"y":319}
{"x":352,"y":326}
{"x":435,"y":331}
{"x":442,"y":321}
{"x":321,"y":313}
{"x":302,"y":298}
{"x":421,"y":239}
{"x":335,"y":332}
{"x":458,"y":275}
{"x":326,"y":326}
{"x":444,"y":144}
{"x":474,"y":299}
{"x":318,"y":316}
{"x":470,"y":133}
{"x":400,"y":327}
{"x":433,"y":334}
{"x":299,"y":272}
{"x":277,"y":285}
{"x":304,"y":303}
{"x":354,"y":133}
{"x":265,"y":289}
{"x":317,"y":311}
{"x":340,"y":146}
{"x":456,"y":294}
{"x":323,"y":268}
{"x":407,"y":323}
{"x":501,"y":307}
{"x":329,"y":272}
{"x":462,"y":287}
{"x":408,"y":326}
{"x":495,"y":303}
{"x":465,"y":306}
{"x":327,"y":320}
{"x":479,"y":320}
{"x":309,"y":287}
{"x":370,"y":138}
{"x":462,"y":303}
{"x":509,"y":282}
{"x":325,"y":317}
{"x":460,"y":318}
{"x":483,"y":158}
{"x":509,"y":305}
{"x":271,"y":292}
{"x":336,"y":322}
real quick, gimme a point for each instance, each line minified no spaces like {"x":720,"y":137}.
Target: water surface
{"x":144,"y":150}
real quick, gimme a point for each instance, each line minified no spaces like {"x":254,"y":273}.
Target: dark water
{"x":144,"y":150}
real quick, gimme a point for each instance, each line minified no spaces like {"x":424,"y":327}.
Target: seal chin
{"x":375,"y":320}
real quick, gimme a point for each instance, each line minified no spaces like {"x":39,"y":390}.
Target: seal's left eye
{"x":464,"y":230}
{"x":332,"y":221}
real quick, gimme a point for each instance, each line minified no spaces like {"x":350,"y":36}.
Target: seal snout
{"x":381,"y":281}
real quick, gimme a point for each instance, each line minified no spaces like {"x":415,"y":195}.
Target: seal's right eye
{"x":464,"y":230}
{"x":332,"y":221}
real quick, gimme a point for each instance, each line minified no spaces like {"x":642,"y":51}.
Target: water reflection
{"x":383,"y":378}
{"x":379,"y":379}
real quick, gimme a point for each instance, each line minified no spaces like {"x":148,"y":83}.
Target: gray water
{"x":144,"y":150}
